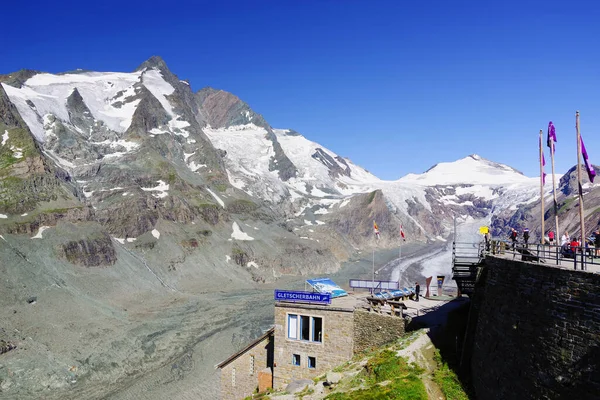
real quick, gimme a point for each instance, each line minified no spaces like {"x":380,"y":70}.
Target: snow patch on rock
{"x":40,"y":232}
{"x":238,"y":234}
{"x":162,"y":188}
{"x":217,"y":198}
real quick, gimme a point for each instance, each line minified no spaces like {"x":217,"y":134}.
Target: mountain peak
{"x":472,"y":169}
{"x":154,"y":62}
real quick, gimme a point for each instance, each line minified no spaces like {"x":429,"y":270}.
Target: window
{"x":304,"y":327}
{"x":251,"y":365}
{"x":312,"y":362}
{"x":317,"y":329}
{"x":296,"y":359}
{"x":233,"y":377}
{"x":292,"y":326}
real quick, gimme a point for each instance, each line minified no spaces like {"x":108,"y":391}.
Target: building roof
{"x":245,"y":349}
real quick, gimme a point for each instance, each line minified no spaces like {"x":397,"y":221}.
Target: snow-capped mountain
{"x":134,"y":149}
{"x":130,"y":205}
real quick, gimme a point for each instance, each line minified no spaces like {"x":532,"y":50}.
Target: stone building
{"x":311,"y":339}
{"x":307,"y":341}
{"x":250,"y":370}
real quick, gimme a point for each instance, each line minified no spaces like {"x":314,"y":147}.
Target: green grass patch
{"x":447,"y":380}
{"x":221,"y":187}
{"x":17,"y":139}
{"x":242,"y":206}
{"x":386,"y":376}
{"x":407,"y":387}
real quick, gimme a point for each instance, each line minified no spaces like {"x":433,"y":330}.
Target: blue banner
{"x":305,"y":297}
{"x":326,"y":285}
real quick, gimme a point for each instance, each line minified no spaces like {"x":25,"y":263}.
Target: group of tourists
{"x":568,"y":246}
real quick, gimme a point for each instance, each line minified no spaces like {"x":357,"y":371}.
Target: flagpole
{"x":557,"y":236}
{"x":373,"y":281}
{"x":581,"y":219}
{"x":542,"y":186}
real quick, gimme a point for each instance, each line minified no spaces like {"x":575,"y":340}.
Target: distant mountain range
{"x":172,"y":191}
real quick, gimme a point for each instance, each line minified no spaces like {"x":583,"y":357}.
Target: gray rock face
{"x":280,"y":162}
{"x":90,"y":252}
{"x":9,"y":115}
{"x":333,"y":377}
{"x":17,"y":79}
{"x":298,"y":385}
{"x":222,"y":109}
{"x":148,"y":115}
{"x":335,"y":169}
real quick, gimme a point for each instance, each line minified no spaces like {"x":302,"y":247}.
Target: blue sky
{"x":396,"y":86}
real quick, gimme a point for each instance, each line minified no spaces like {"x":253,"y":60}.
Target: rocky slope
{"x":138,"y":212}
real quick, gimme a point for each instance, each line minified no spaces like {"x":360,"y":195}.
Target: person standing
{"x":513,"y":237}
{"x":417,"y":291}
{"x":565,"y":238}
{"x":526,"y":236}
{"x":551,"y":237}
{"x":597,"y":242}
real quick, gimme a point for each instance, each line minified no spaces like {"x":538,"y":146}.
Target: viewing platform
{"x":468,"y":258}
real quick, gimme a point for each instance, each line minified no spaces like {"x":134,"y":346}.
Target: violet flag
{"x":551,"y":136}
{"x":588,"y":167}
{"x":543,"y":163}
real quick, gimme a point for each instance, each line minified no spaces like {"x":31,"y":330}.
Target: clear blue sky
{"x":397,"y":86}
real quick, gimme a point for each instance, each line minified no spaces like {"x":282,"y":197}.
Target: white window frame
{"x":289,"y":327}
{"x":297,"y":327}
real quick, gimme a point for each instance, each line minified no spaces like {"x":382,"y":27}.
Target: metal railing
{"x":579,"y":258}
{"x":467,"y":252}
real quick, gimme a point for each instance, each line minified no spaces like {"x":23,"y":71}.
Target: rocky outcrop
{"x":222,"y":109}
{"x":332,"y":165}
{"x":17,"y":79}
{"x":148,"y":115}
{"x":49,"y":217}
{"x":9,"y":116}
{"x":90,"y":252}
{"x":280,"y":162}
{"x":355,"y":220}
{"x":5,"y":347}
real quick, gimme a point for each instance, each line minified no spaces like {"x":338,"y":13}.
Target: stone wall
{"x":246,"y":379}
{"x":537,"y":332}
{"x":336,"y":347}
{"x":372,"y":329}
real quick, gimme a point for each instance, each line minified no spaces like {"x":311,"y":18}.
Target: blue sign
{"x":304,"y":297}
{"x":326,"y":285}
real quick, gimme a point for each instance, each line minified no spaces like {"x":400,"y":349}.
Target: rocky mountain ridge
{"x":135,"y":148}
{"x":146,"y":221}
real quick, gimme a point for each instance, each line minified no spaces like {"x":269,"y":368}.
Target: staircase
{"x":466,"y":260}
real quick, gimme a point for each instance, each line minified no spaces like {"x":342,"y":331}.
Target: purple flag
{"x":551,"y":136}
{"x":588,"y":167}
{"x":543,"y":162}
{"x":543,"y":173}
